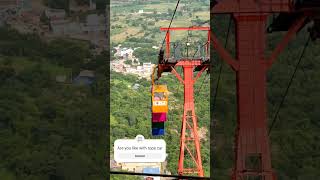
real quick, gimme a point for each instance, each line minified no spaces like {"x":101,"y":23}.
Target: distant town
{"x":124,"y":55}
{"x":32,"y":16}
{"x":82,"y":22}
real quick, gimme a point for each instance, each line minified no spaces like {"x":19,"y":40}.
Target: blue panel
{"x":157,"y":131}
{"x":157,"y":128}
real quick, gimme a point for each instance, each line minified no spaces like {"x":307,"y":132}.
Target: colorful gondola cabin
{"x":159,"y":99}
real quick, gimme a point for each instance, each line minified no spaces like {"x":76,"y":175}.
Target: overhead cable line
{"x":198,"y":49}
{"x":187,"y":44}
{"x":198,"y":90}
{"x":175,"y":10}
{"x":221,"y":66}
{"x":289,"y":85}
{"x":204,"y":79}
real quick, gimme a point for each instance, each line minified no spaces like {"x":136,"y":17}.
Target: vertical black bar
{"x":108,"y":88}
{"x":212,"y":94}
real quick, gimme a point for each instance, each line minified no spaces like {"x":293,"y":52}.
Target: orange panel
{"x":160,"y":106}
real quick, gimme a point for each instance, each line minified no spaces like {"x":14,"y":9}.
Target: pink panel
{"x":159,"y":117}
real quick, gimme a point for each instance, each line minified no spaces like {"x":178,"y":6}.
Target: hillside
{"x":50,"y":129}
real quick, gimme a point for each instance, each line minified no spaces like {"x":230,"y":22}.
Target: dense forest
{"x":50,"y":130}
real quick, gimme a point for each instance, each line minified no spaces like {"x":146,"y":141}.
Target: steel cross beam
{"x":252,"y":151}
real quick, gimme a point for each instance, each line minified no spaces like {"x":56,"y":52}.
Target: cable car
{"x":159,"y":103}
{"x":159,"y":99}
{"x":159,"y":107}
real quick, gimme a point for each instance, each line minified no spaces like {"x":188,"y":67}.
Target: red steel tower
{"x":190,"y":156}
{"x":252,"y":152}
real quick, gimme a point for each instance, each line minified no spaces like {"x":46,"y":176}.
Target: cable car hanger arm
{"x":225,"y":55}
{"x":152,"y":76}
{"x":177,"y":75}
{"x":290,"y":34}
{"x":199,"y":73}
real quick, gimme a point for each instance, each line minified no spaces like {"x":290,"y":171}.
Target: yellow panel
{"x":160,"y":105}
{"x":160,"y":88}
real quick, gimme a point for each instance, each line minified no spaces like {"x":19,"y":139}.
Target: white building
{"x":140,"y":70}
{"x":127,"y":53}
{"x":147,"y":67}
{"x":124,"y":52}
